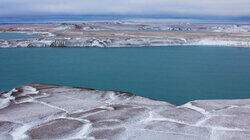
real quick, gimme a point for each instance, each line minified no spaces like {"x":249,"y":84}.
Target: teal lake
{"x":16,"y":35}
{"x":173,"y":74}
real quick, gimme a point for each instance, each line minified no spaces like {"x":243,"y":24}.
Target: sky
{"x":201,"y":8}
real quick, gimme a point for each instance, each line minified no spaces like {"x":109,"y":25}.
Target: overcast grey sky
{"x":139,"y":7}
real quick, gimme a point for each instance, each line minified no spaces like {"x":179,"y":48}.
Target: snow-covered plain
{"x":127,"y":34}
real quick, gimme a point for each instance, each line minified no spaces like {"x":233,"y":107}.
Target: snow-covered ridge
{"x":127,"y":34}
{"x":130,"y":42}
{"x":39,"y":111}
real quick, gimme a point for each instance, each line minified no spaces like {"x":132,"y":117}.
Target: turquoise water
{"x":174,"y":74}
{"x":16,"y":35}
{"x":145,"y":18}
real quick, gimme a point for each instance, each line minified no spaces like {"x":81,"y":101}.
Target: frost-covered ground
{"x":127,"y":34}
{"x":38,"y":111}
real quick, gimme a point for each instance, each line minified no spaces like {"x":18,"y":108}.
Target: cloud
{"x":139,"y":7}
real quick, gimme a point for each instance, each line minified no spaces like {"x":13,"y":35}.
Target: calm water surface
{"x":16,"y":35}
{"x":174,"y":74}
{"x":144,"y":18}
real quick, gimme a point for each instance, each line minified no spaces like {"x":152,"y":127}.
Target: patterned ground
{"x":39,"y":111}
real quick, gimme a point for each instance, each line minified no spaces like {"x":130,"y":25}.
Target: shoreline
{"x":127,"y":34}
{"x":119,"y":92}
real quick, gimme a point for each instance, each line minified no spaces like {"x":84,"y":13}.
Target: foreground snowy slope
{"x":39,"y":111}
